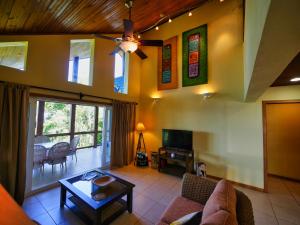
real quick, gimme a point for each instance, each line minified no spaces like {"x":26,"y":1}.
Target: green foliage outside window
{"x":85,"y":118}
{"x":57,"y":118}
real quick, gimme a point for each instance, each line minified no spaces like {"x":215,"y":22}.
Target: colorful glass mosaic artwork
{"x":194,"y":56}
{"x":166,"y":64}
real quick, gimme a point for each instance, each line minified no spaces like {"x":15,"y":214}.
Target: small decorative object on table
{"x":103,"y":181}
{"x":201,"y":169}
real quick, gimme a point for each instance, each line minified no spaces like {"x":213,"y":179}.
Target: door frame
{"x":265,"y":151}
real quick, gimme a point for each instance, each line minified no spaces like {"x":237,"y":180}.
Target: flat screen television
{"x":181,"y":139}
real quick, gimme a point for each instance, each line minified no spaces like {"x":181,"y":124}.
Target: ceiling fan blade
{"x":141,"y":54}
{"x":152,"y":43}
{"x":116,"y":50}
{"x":128,"y":28}
{"x":105,"y":37}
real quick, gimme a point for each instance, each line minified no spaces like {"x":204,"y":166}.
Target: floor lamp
{"x":140,"y":128}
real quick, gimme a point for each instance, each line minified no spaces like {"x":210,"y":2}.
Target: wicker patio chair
{"x":39,"y":157}
{"x":58,"y":154}
{"x":73,"y":147}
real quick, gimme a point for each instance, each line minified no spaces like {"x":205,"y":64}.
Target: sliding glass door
{"x":52,"y":122}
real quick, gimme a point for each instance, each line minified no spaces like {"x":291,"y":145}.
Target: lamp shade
{"x":128,"y":46}
{"x":140,"y":127}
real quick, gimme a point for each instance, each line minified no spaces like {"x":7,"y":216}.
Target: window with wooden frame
{"x":62,"y":121}
{"x":81,"y":61}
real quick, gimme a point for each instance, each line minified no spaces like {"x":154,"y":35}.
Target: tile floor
{"x":154,"y":191}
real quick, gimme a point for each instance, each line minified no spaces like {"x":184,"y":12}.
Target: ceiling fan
{"x":129,"y":42}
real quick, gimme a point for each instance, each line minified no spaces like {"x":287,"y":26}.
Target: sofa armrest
{"x":197,"y":188}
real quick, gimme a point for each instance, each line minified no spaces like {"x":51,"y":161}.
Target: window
{"x":85,"y":125}
{"x":14,"y":54}
{"x":121,"y":72}
{"x":62,"y":121}
{"x":56,"y":118}
{"x":81,"y":61}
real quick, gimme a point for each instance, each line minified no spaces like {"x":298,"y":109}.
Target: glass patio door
{"x":61,"y":121}
{"x":106,"y":137}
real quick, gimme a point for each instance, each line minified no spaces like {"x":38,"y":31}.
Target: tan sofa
{"x":200,"y":194}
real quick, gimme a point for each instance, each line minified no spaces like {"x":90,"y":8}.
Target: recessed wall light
{"x":139,"y":36}
{"x":295,"y":79}
{"x":156,"y":28}
{"x":170,"y":20}
{"x":206,"y":95}
{"x":190,"y":13}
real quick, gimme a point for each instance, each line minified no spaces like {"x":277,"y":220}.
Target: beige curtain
{"x":123,"y":124}
{"x":13,"y":137}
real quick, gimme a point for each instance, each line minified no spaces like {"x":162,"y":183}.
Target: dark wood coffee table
{"x":93,"y":204}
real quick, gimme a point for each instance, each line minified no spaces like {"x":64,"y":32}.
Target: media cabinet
{"x":175,"y":161}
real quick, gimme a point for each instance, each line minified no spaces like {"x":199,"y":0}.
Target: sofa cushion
{"x":220,"y":217}
{"x":223,"y":198}
{"x":180,"y":207}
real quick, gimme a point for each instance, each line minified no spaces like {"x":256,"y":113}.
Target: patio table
{"x":48,"y":145}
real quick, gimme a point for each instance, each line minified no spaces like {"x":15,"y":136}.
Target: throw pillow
{"x":221,"y":217}
{"x":190,"y":219}
{"x":223,"y":198}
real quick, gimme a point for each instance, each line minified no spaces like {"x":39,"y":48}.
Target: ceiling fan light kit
{"x":128,"y":46}
{"x":129,"y":42}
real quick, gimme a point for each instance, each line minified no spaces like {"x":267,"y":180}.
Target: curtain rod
{"x":79,"y":94}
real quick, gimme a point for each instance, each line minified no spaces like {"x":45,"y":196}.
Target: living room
{"x":228,"y":111}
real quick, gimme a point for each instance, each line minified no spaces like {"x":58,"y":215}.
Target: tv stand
{"x":175,"y":161}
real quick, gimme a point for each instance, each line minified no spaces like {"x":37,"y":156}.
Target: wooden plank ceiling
{"x":84,"y":16}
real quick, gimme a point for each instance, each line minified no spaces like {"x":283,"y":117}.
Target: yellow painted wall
{"x":227,"y":131}
{"x":47,"y":66}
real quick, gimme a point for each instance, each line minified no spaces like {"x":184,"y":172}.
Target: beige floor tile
{"x":289,"y":214}
{"x":167,"y":198}
{"x":284,"y":222}
{"x":286,"y":200}
{"x":155,"y":212}
{"x":126,"y":219}
{"x":141,"y":204}
{"x":264,"y":219}
{"x":143,"y":221}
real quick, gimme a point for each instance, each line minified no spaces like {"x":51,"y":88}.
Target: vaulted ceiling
{"x":84,"y":16}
